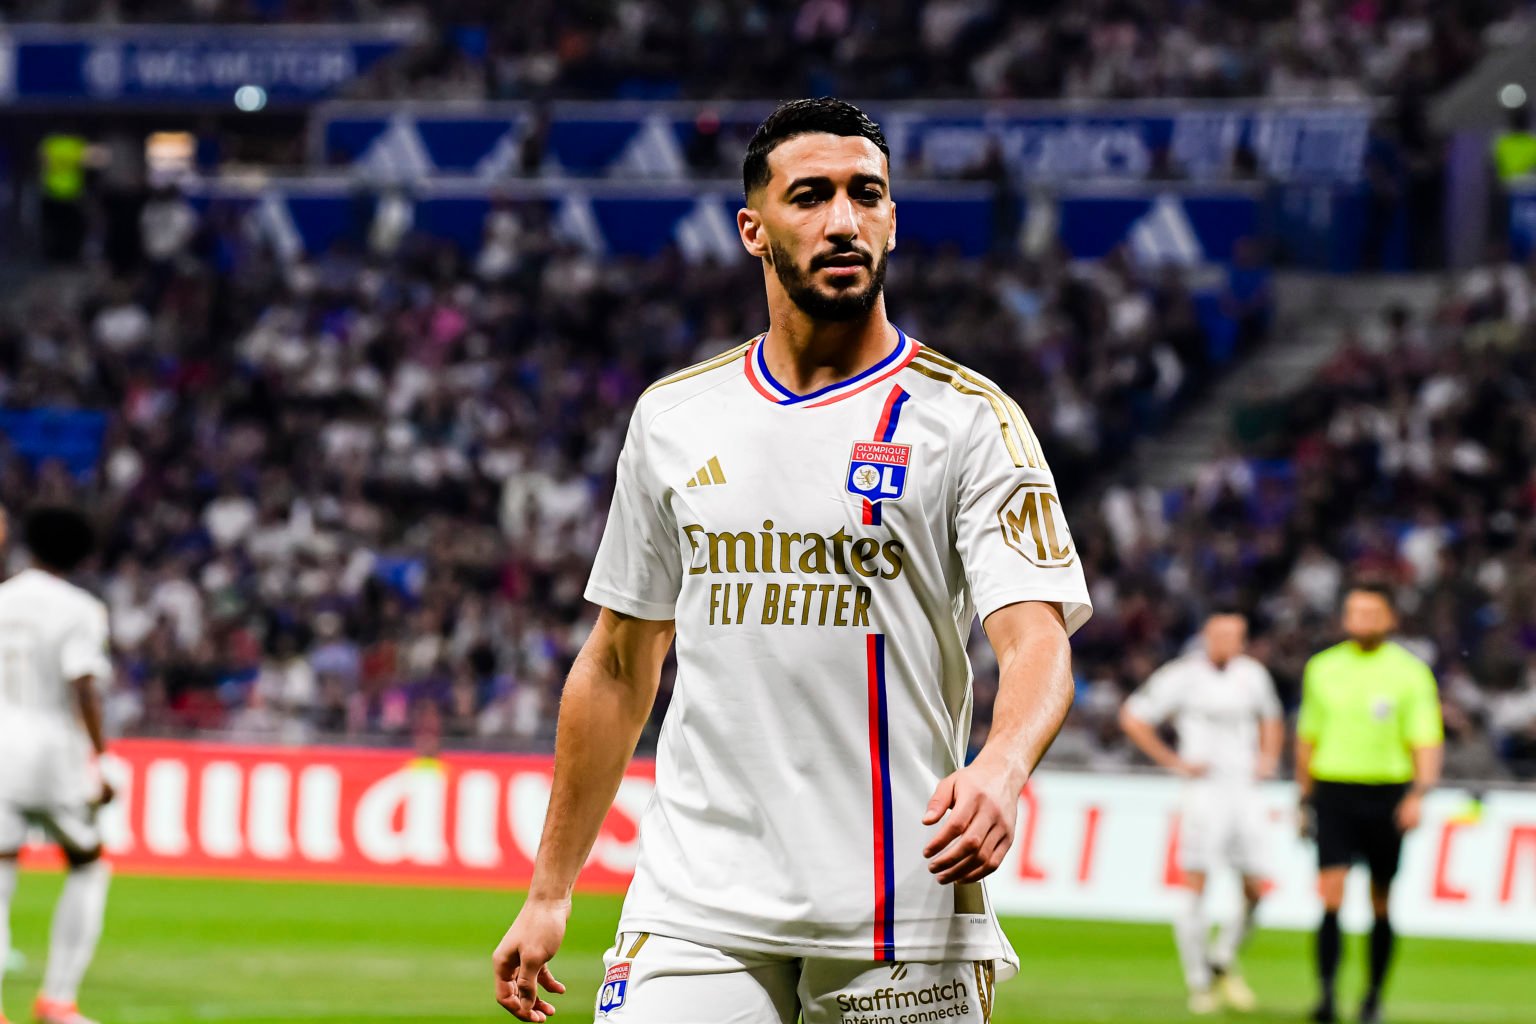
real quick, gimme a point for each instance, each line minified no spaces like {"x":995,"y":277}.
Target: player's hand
{"x":522,"y":960}
{"x":1264,"y":772}
{"x":983,"y":806}
{"x":1191,"y":771}
{"x":1306,"y":819}
{"x":1410,"y":811}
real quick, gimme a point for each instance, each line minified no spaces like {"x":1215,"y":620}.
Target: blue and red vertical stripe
{"x":890,"y":416}
{"x":880,"y":795}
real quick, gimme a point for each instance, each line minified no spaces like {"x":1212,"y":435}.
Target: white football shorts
{"x":1223,"y":825}
{"x":655,"y":979}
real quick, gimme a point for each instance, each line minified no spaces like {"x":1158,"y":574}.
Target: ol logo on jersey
{"x":877,"y":470}
{"x":614,"y":983}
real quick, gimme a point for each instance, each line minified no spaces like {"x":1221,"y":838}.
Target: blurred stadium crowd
{"x":930,"y":48}
{"x":337,"y":488}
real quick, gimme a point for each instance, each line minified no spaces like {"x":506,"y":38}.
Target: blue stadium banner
{"x":1048,"y":143}
{"x":1522,"y":221}
{"x":187,"y":64}
{"x":1192,"y":227}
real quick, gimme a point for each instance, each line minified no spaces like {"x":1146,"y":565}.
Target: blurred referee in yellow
{"x":1368,"y":747}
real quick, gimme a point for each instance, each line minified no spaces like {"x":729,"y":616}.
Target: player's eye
{"x":806,"y":199}
{"x":869,"y":195}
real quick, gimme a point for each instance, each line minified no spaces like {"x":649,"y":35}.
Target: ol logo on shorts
{"x":614,"y":983}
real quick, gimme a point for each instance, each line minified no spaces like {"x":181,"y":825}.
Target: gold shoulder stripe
{"x":712,"y":363}
{"x":1026,"y":432}
{"x":1004,"y":420}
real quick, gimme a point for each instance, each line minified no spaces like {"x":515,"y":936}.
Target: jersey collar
{"x":764,"y":383}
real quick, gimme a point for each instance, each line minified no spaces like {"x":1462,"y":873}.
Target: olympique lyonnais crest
{"x":614,"y":983}
{"x":877,"y":471}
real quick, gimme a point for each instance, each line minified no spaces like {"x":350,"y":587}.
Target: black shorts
{"x":1358,"y":822}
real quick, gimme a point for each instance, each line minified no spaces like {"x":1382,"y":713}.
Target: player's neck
{"x":806,"y":355}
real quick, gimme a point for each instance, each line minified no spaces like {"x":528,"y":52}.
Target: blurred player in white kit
{"x":53,"y":658}
{"x":1222,"y":705}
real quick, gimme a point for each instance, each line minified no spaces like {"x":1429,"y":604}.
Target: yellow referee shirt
{"x":1364,"y":712}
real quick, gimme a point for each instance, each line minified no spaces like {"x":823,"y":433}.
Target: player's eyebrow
{"x":821,"y":180}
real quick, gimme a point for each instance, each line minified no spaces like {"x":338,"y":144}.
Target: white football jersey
{"x":51,"y":633}
{"x":1216,"y":711}
{"x":824,"y":557}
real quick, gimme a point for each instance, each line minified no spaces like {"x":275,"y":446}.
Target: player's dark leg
{"x":8,"y":875}
{"x":1329,"y":944}
{"x":76,"y":928}
{"x":1385,"y":851}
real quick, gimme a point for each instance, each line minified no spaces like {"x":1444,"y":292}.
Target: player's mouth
{"x":842,"y":265}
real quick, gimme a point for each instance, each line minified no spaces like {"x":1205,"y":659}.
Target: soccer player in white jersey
{"x":819,"y":515}
{"x":1223,"y":706}
{"x":53,"y":656}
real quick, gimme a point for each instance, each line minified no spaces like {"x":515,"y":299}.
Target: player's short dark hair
{"x":59,"y":537}
{"x":1376,"y":587}
{"x":803,"y":117}
{"x":1226,"y":609}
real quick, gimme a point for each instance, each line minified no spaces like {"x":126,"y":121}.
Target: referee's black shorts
{"x":1358,"y":822}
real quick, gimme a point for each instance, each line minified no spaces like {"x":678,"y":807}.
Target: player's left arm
{"x":1026,"y":580}
{"x":87,"y":664}
{"x":1034,"y":693}
{"x":1425,"y":735}
{"x":1271,"y":726}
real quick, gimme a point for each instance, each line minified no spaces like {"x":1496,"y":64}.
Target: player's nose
{"x":841,"y":220}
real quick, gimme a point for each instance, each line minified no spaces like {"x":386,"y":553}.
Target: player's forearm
{"x":1271,"y":739}
{"x":605,"y":705}
{"x":1146,"y":739}
{"x":1427,"y":762}
{"x":1034,"y":691}
{"x":90,"y":713}
{"x":1304,"y":767}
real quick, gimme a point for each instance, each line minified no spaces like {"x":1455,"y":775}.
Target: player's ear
{"x":754,"y":237}
{"x":891,"y":242}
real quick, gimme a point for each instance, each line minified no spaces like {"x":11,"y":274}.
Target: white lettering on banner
{"x":476,"y":820}
{"x":267,"y":812}
{"x":527,"y":800}
{"x":218,"y":824}
{"x":165,"y":808}
{"x":418,"y":795}
{"x":320,"y":814}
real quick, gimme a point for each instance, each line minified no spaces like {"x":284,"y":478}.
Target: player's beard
{"x":840,"y":306}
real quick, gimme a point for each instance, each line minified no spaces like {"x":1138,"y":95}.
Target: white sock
{"x":1231,"y":935}
{"x":1191,"y":931}
{"x":7,"y":890}
{"x":76,"y":927}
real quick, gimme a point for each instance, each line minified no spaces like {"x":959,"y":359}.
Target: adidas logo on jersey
{"x":709,"y":473}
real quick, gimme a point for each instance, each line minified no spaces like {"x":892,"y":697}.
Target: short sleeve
{"x":1309,"y":720}
{"x":85,"y":649}
{"x":638,"y":569}
{"x":1010,"y":528}
{"x":1266,"y":701}
{"x":1156,"y":700}
{"x":1423,"y":726}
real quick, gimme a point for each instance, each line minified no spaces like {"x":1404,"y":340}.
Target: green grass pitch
{"x":179,"y":950}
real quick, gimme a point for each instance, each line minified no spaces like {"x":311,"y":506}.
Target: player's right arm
{"x":1148,"y":708}
{"x":607,"y":700}
{"x":608,"y":696}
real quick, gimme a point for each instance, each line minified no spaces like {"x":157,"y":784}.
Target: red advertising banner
{"x":339,"y":813}
{"x":1087,"y":845}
